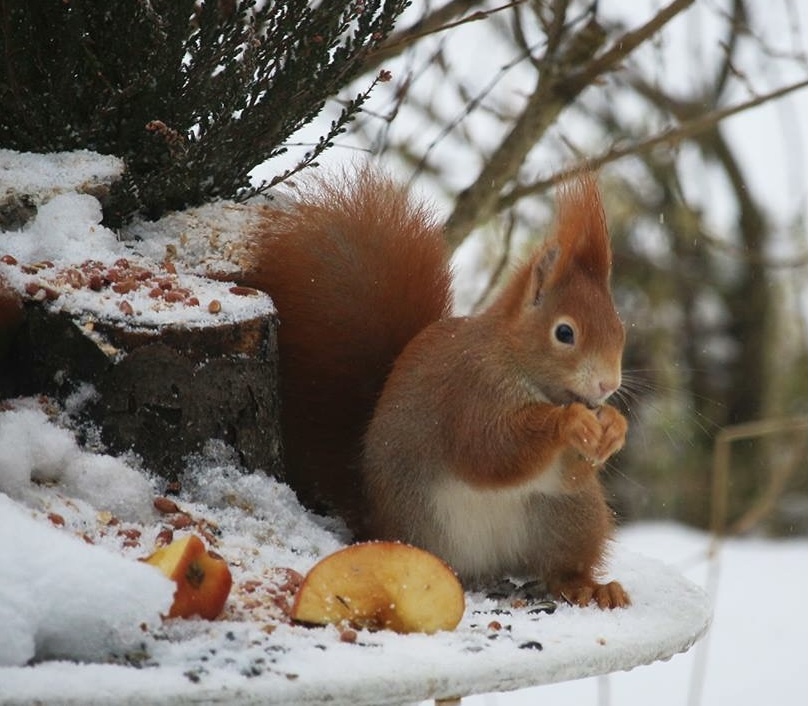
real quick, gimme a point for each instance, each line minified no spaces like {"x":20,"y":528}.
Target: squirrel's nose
{"x":608,"y":387}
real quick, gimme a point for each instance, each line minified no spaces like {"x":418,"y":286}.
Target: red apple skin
{"x":203,"y":579}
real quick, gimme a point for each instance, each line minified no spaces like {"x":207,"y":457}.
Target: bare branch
{"x":628,"y":42}
{"x":670,"y":136}
{"x":501,"y":265}
{"x":557,"y":86}
{"x":471,"y":103}
{"x":440,"y":20}
{"x":477,"y":203}
{"x":737,"y":21}
{"x":791,"y":262}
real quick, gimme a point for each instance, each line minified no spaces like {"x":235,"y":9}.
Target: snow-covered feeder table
{"x":500,"y":645}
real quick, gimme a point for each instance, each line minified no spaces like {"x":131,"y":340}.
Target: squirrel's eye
{"x":565,"y":334}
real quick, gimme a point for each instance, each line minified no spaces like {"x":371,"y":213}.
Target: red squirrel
{"x":478,"y":438}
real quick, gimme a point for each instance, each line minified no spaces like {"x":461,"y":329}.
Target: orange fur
{"x":477,"y":438}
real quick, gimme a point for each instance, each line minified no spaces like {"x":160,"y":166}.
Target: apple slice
{"x":381,"y":585}
{"x":203,"y":579}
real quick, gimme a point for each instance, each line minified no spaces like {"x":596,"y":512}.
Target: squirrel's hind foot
{"x":583,"y":593}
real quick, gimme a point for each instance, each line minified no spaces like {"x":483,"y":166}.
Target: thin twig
{"x":721,"y":461}
{"x":756,"y":258}
{"x":778,"y":478}
{"x":628,"y":42}
{"x":501,"y":265}
{"x":439,"y":21}
{"x":473,"y":17}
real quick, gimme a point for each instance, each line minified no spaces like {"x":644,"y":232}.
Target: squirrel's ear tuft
{"x":581,"y":230}
{"x":544,"y":266}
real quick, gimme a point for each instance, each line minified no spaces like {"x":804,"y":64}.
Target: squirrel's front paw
{"x":582,"y":430}
{"x":596,"y":435}
{"x":613,"y":427}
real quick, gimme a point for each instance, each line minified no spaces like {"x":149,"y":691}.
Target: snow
{"x":36,"y":452}
{"x":755,"y":651}
{"x":57,"y":599}
{"x":41,"y":177}
{"x":206,"y":238}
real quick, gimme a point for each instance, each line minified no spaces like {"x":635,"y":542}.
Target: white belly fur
{"x":483,"y":531}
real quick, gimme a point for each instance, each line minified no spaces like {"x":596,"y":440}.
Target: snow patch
{"x":63,"y":598}
{"x":40,"y":177}
{"x":36,"y":452}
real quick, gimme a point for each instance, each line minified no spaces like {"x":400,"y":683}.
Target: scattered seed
{"x":125,"y":286}
{"x":164,"y":537}
{"x":243,"y":291}
{"x":348,"y":635}
{"x":40,"y":293}
{"x":105,"y":517}
{"x":173,"y":296}
{"x":74,"y":278}
{"x":180,"y":520}
{"x":165,"y":506}
{"x":129,"y":533}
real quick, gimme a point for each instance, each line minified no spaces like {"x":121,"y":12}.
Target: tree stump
{"x":162,"y":390}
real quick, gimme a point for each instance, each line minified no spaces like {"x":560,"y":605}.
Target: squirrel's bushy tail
{"x":356,"y":270}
